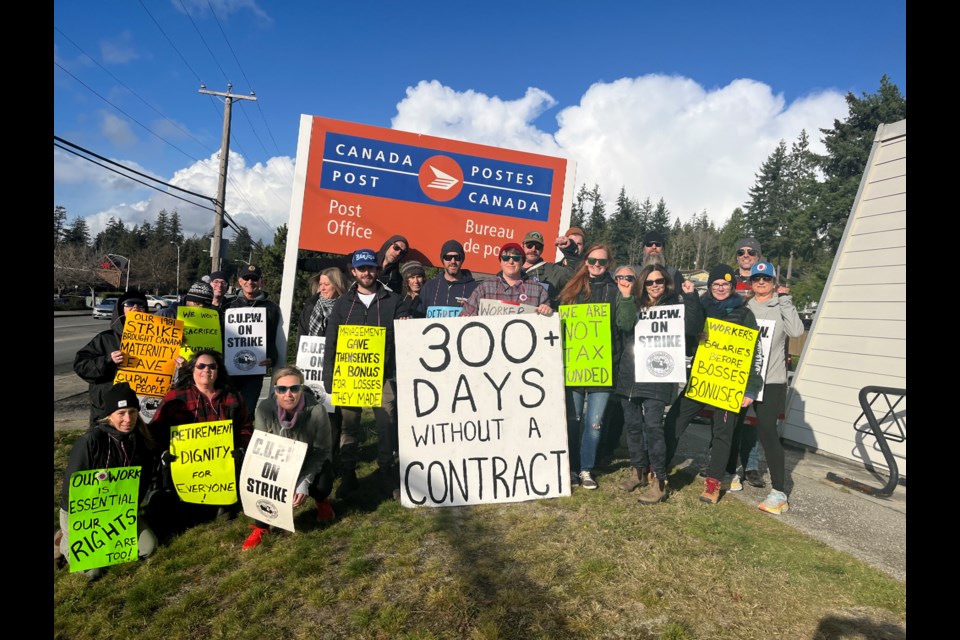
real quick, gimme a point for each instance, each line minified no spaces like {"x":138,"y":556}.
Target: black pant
{"x":768,"y":412}
{"x":387,"y":439}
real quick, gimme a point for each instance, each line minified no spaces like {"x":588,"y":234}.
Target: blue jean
{"x":585,"y":448}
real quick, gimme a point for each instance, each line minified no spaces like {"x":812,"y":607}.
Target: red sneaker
{"x":255,"y":538}
{"x":325,"y":511}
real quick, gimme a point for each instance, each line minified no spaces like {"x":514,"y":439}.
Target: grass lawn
{"x":593,"y":565}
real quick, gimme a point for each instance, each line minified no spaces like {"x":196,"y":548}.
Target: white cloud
{"x":224,"y":8}
{"x":658,"y":136}
{"x":118,"y":50}
{"x":116,"y":130}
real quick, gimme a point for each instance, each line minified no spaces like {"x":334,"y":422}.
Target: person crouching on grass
{"x":292,"y":411}
{"x":120,"y":438}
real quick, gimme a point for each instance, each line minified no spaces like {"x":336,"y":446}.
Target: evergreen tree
{"x":78,"y":233}
{"x":645,"y":217}
{"x":624,"y":228}
{"x":660,"y":219}
{"x":769,"y":203}
{"x":578,"y":216}
{"x":734,"y":229}
{"x":59,"y":223}
{"x":596,"y":222}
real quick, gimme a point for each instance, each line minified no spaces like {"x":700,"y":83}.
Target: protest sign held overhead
{"x":245,"y":340}
{"x":722,"y":365}
{"x":358,"y":366}
{"x":310,"y":361}
{"x":268,"y":478}
{"x":150,"y":345}
{"x":353,"y":182}
{"x":201,"y":330}
{"x":480,"y":410}
{"x":204,"y":471}
{"x":659,"y":350}
{"x":103,"y":517}
{"x":587,"y":355}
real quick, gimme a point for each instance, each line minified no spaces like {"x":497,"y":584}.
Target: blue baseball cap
{"x":364,"y":258}
{"x":763,"y":269}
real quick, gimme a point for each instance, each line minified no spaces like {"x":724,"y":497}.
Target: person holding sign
{"x":773,"y":304}
{"x":203,"y":392}
{"x":120,"y":438}
{"x":510,"y":286}
{"x":643,"y":402}
{"x":586,"y":405}
{"x":98,"y":360}
{"x":411,"y":305}
{"x":445,"y":294}
{"x":367,"y":303}
{"x":293,"y":412}
{"x":721,"y":303}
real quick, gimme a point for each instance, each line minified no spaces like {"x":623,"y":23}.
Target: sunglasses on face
{"x":129,"y":305}
{"x":203,"y":365}
{"x":743,"y":252}
{"x":533,"y":245}
{"x":761,"y":278}
{"x":452,"y":257}
{"x":626,"y":278}
{"x":294,"y":388}
{"x":511,"y":258}
{"x":249,"y":278}
{"x":655,"y":282}
{"x":600,"y":261}
{"x":397,"y":247}
{"x":653,"y":244}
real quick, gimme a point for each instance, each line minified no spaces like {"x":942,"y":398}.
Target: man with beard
{"x":552,"y":276}
{"x":654,"y":245}
{"x":452,"y":286}
{"x":748,"y":254}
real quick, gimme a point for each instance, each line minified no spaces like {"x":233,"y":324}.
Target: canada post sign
{"x":362,"y":184}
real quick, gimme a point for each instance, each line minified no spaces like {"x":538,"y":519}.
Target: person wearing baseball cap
{"x":445,"y":294}
{"x":719,"y":302}
{"x":367,"y":302}
{"x":98,"y":360}
{"x":552,"y":276}
{"x":119,"y":438}
{"x":250,"y":281}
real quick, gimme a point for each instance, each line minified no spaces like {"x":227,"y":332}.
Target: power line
{"x":195,"y":75}
{"x":210,"y":51}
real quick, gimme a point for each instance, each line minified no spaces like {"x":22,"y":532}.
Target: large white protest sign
{"x":481,"y":410}
{"x":245,"y":340}
{"x":491,"y":307}
{"x":268,"y":478}
{"x":766,"y":343}
{"x":659,"y":345}
{"x":310,"y":361}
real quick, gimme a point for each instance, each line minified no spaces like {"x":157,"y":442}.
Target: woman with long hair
{"x":414,"y":276}
{"x":643,"y":402}
{"x":591,"y":283}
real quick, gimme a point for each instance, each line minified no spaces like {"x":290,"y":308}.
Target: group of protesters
{"x":385,"y":287}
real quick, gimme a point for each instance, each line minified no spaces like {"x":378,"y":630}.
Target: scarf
{"x":318,"y":319}
{"x":287,"y":420}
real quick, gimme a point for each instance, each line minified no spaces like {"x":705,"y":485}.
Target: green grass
{"x":594,"y":565}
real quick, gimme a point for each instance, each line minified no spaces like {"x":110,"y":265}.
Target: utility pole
{"x":228,"y":99}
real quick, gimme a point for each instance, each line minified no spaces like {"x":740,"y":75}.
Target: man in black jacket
{"x":368,"y":302}
{"x":452,"y":286}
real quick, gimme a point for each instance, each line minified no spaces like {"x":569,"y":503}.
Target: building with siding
{"x":858,"y":337}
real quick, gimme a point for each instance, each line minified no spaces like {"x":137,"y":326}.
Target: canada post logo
{"x":396,"y":171}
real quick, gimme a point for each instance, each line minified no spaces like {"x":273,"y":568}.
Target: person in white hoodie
{"x":772,"y":302}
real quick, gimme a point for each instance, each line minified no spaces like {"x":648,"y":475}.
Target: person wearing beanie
{"x":218,"y":281}
{"x":748,"y":254}
{"x":119,"y":438}
{"x":445,"y":294}
{"x":96,"y":363}
{"x":552,"y":276}
{"x":200,"y":294}
{"x":511,"y":285}
{"x":722,"y":303}
{"x":411,"y":305}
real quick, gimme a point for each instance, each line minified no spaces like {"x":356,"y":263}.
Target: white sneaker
{"x":587,"y":481}
{"x":731,"y":483}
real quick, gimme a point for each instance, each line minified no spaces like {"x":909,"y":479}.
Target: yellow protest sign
{"x":722,"y":365}
{"x":203,"y":472}
{"x":150,"y":345}
{"x":358,"y":366}
{"x":587,"y":352}
{"x":201,"y":330}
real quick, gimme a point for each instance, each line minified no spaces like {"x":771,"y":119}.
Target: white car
{"x":155,"y":304}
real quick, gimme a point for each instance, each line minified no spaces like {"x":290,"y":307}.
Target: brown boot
{"x":634,"y":481}
{"x":655,"y":492}
{"x":711,"y":491}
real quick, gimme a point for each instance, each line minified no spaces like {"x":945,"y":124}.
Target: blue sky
{"x":680,"y":100}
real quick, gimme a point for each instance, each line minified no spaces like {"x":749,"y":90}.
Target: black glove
{"x":166,"y":457}
{"x":238,"y":454}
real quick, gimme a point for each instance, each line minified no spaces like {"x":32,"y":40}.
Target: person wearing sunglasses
{"x":367,"y":302}
{"x":748,"y":254}
{"x":586,"y":406}
{"x":509,"y":285}
{"x":720,"y":302}
{"x":250,"y":281}
{"x":203,"y":392}
{"x":643,"y":403}
{"x":454,"y":284}
{"x":388,"y":259}
{"x":773,"y":303}
{"x":97,"y":361}
{"x":654,"y":253}
{"x":292,"y":411}
{"x":549,"y":275}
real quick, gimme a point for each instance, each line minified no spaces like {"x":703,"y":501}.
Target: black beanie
{"x":451,"y":246}
{"x":201,"y":293}
{"x":120,"y":396}
{"x":721,"y":272}
{"x":654,"y":236}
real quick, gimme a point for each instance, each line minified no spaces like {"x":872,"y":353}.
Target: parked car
{"x":172,"y":299}
{"x":154,"y":303}
{"x":104,"y":309}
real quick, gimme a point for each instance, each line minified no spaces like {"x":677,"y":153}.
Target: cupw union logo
{"x":441,"y":178}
